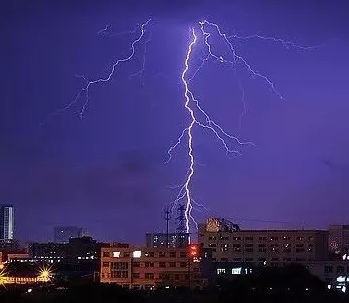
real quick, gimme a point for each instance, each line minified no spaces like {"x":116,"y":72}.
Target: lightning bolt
{"x":193,"y":106}
{"x":85,"y":91}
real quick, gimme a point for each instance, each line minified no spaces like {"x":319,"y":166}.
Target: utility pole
{"x":167,"y":218}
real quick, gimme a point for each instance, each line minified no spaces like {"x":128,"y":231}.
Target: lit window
{"x":137,"y":254}
{"x":116,"y":254}
{"x":220,"y":271}
{"x":236,"y":271}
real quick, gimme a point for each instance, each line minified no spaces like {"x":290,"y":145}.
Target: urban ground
{"x":274,"y":285}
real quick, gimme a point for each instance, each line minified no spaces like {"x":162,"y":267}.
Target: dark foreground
{"x":108,"y":293}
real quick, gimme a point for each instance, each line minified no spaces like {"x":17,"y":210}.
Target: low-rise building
{"x":262,"y":247}
{"x":149,"y":267}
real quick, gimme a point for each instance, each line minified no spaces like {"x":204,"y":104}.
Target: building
{"x":62,"y":234}
{"x":75,"y":251}
{"x":6,"y":222}
{"x":149,"y":267}
{"x":339,"y":239}
{"x":228,"y":243}
{"x":160,"y":239}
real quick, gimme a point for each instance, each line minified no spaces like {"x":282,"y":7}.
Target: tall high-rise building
{"x":62,"y":234}
{"x":6,"y":222}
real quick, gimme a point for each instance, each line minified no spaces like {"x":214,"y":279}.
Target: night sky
{"x":106,"y":172}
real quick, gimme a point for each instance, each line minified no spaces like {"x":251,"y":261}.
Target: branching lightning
{"x":198,"y":116}
{"x":85,"y":91}
{"x":192,"y":104}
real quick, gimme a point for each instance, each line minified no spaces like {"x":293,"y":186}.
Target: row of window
{"x":340,"y":269}
{"x":171,"y":254}
{"x":263,"y":259}
{"x":286,"y":245}
{"x":264,"y":250}
{"x":262,"y":238}
{"x":124,"y":265}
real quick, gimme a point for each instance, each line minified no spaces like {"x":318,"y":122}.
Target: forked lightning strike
{"x":88,"y":83}
{"x":198,"y":115}
{"x":192,"y":105}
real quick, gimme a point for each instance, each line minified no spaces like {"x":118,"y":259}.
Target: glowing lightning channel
{"x":209,"y":123}
{"x":88,"y":83}
{"x":188,"y":95}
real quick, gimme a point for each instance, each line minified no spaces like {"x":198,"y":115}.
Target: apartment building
{"x":149,"y":267}
{"x":263,"y":247}
{"x":339,"y":239}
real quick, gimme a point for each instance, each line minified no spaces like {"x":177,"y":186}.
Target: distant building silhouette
{"x":62,"y":234}
{"x":339,"y":239}
{"x":6,"y":222}
{"x":160,"y":239}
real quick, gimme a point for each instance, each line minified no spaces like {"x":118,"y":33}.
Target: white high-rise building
{"x":6,"y":222}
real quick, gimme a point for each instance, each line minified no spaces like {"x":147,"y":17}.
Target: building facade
{"x":62,"y":234}
{"x":160,"y":239}
{"x":263,"y":247}
{"x":149,"y":267}
{"x":6,"y":222}
{"x":339,"y":239}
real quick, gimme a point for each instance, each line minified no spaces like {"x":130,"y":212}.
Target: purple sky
{"x":106,"y":172}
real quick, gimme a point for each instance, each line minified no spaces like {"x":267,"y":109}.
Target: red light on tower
{"x":193,"y":251}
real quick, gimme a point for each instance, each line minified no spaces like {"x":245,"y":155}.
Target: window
{"x":172,"y":264}
{"x":340,"y":269}
{"x":149,"y":264}
{"x":249,"y":238}
{"x":274,"y":238}
{"x":172,"y":254}
{"x":311,"y":238}
{"x":262,"y":238}
{"x":182,"y":254}
{"x":106,"y":254}
{"x":137,"y":254}
{"x":287,"y":259}
{"x":300,"y":238}
{"x":299,"y":250}
{"x":105,"y":264}
{"x":162,"y":264}
{"x":119,"y":265}
{"x":237,"y":238}
{"x":126,"y":254}
{"x":136,"y":264}
{"x":119,"y":274}
{"x":183,"y":264}
{"x":212,"y":245}
{"x":116,"y":254}
{"x":149,"y":254}
{"x":162,"y":254}
{"x":286,"y":238}
{"x":149,"y":275}
{"x":136,"y":275}
{"x":224,"y":238}
{"x":236,"y":271}
{"x":220,"y":271}
{"x":212,"y":238}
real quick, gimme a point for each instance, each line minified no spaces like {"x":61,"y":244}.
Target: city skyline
{"x":107,"y":171}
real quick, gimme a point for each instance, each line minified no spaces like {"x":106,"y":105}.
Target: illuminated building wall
{"x":265,"y":247}
{"x":149,"y":267}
